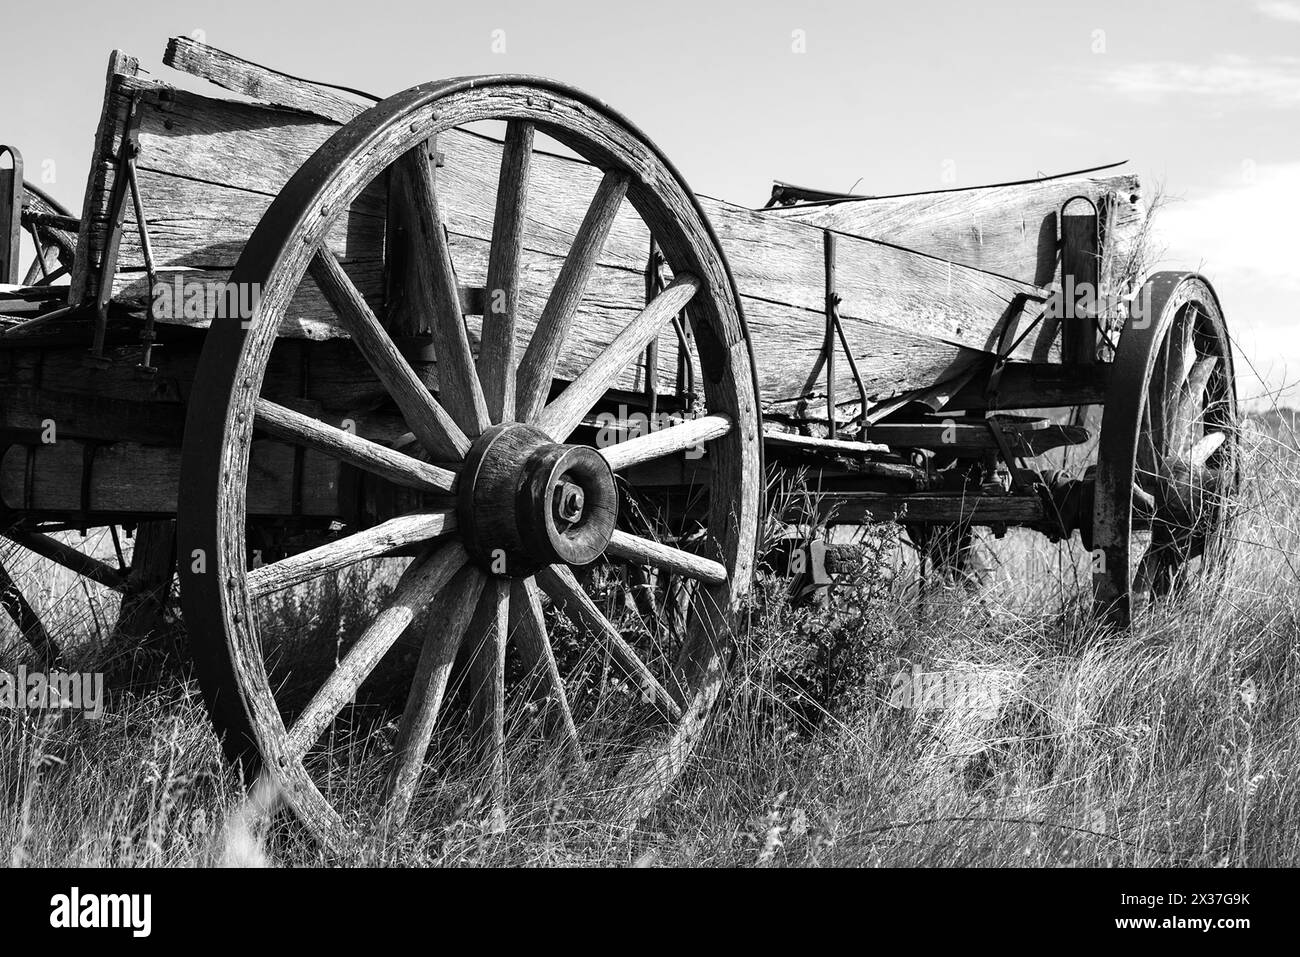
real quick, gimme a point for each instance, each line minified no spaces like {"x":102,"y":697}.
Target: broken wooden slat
{"x":259,"y":82}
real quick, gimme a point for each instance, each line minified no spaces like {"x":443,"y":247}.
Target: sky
{"x":1202,"y":98}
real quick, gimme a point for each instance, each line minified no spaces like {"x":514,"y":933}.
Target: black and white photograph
{"x":844,"y":436}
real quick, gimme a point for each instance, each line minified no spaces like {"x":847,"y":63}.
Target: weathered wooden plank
{"x":73,"y":415}
{"x":771,"y":259}
{"x":309,"y":315}
{"x":195,"y":223}
{"x":259,"y":82}
{"x":133,"y":479}
{"x":108,"y":139}
{"x":330,"y":373}
{"x":1010,"y":230}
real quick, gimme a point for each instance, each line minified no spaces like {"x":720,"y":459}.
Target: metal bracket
{"x":117,"y":215}
{"x":834,"y":328}
{"x":147,"y":333}
{"x":1008,"y":342}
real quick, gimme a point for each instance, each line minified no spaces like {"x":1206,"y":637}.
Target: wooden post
{"x":11,"y":215}
{"x":1080,"y":281}
{"x":86,"y":277}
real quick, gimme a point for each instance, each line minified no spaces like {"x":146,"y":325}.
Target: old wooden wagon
{"x":485,"y":325}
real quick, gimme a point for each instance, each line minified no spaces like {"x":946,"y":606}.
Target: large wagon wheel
{"x":1168,"y":457}
{"x":519,"y":490}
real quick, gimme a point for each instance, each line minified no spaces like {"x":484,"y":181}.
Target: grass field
{"x":1178,"y":744}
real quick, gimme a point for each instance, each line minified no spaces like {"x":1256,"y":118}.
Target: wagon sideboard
{"x":922,"y":322}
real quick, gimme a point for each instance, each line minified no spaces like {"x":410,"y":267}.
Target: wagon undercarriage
{"x":484,"y":325}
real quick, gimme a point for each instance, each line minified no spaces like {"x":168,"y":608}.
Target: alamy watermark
{"x":949,"y":690}
{"x":193,"y":299}
{"x":25,"y":690}
{"x":624,"y":425}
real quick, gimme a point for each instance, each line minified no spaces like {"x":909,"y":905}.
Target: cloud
{"x":1272,"y":82}
{"x":1241,"y":235}
{"x":1245,"y":227}
{"x":1284,"y":10}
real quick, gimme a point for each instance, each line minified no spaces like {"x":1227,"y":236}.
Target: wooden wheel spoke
{"x":447,"y":623}
{"x":1149,"y":451}
{"x":528,"y":629}
{"x":487,"y":681}
{"x":1144,"y":502}
{"x":68,"y":557}
{"x":670,"y":441}
{"x":458,"y":384}
{"x":1191,"y":403}
{"x":432,"y":425}
{"x":496,"y":358}
{"x":1172,"y":366}
{"x":335,"y":556}
{"x":25,"y":617}
{"x":562,"y":416}
{"x":399,"y":468}
{"x":537,"y":368}
{"x":643,"y":551}
{"x":558,"y":582}
{"x":1204,"y":447}
{"x":423,"y":579}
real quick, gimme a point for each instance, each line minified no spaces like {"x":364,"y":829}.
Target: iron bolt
{"x":569,"y":501}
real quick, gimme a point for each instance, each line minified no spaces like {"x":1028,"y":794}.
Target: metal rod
{"x":146,"y":247}
{"x":828,"y":345}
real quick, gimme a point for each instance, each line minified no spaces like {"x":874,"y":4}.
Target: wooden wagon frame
{"x":303,"y":329}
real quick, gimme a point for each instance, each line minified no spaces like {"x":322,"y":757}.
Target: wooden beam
{"x":130,"y":479}
{"x":858,"y":508}
{"x":94,"y":210}
{"x":974,"y":437}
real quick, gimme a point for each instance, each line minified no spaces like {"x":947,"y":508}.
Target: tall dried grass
{"x":1176,"y":744}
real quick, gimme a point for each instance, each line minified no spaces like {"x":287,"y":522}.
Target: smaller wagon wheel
{"x":54,"y":590}
{"x":1168,"y":456}
{"x":55,"y":247}
{"x":513,"y":504}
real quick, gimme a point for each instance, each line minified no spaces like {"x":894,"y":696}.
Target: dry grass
{"x":1179,"y":744}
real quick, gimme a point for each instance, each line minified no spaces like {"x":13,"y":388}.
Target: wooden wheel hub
{"x":525,"y":502}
